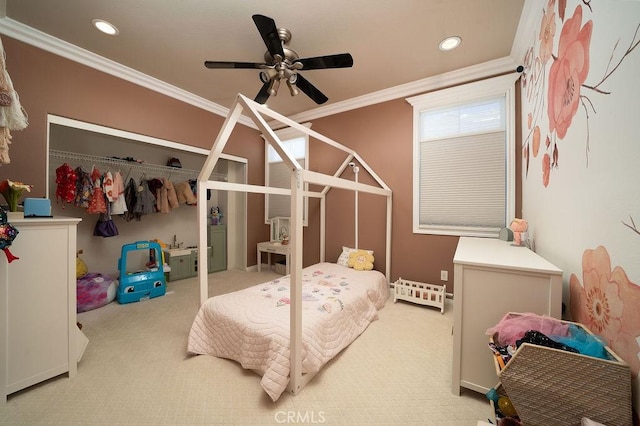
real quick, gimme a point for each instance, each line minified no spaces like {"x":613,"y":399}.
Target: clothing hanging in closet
{"x":106,"y":194}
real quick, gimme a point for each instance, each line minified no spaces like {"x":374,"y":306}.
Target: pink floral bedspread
{"x":251,"y":326}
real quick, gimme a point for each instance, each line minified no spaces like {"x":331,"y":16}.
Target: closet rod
{"x":148,"y":169}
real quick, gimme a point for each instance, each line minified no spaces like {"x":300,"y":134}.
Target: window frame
{"x":461,"y":95}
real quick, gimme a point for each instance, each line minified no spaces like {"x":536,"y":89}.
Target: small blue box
{"x":37,"y":207}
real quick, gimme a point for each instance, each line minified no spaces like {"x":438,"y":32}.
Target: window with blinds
{"x":463,"y":159}
{"x":278,"y":174}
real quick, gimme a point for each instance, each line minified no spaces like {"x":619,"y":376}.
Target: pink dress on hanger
{"x":97,"y":203}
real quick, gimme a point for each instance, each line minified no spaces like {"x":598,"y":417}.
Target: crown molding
{"x":529,"y":21}
{"x":41,"y":40}
{"x":459,"y":76}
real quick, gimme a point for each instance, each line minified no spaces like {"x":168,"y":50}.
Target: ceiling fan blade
{"x":263,"y":94}
{"x":341,"y":60}
{"x":231,"y":65}
{"x":310,"y":90}
{"x":269,"y":32}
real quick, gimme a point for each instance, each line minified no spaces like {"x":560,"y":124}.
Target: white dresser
{"x":493,"y":277}
{"x":38,"y":331}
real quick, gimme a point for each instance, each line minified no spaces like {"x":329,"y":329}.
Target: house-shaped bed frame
{"x":299,"y":176}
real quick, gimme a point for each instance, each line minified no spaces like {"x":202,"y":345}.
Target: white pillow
{"x":343,"y":260}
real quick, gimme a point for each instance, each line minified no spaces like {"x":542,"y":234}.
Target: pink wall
{"x":381,"y":134}
{"x":49,"y":84}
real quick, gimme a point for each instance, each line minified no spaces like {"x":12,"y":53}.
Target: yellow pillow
{"x":81,"y":267}
{"x":360,"y":260}
{"x":343,"y":260}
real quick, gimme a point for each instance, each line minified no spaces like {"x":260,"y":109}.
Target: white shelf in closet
{"x":150,"y":170}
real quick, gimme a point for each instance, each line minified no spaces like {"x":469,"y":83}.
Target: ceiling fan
{"x":282,"y":63}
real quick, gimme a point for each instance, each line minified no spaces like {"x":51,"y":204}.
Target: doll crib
{"x":421,"y":293}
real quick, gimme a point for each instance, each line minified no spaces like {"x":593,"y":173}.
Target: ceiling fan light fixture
{"x":450,"y":43}
{"x":105,"y":27}
{"x":275,"y":85}
{"x":292,"y":87}
{"x":282,"y":63}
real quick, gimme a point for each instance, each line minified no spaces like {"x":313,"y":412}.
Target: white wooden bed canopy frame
{"x":299,"y":176}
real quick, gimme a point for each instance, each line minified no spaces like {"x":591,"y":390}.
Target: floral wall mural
{"x":607,"y":303}
{"x":581,"y":160}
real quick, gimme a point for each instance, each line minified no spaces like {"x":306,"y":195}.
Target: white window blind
{"x":462,"y":181}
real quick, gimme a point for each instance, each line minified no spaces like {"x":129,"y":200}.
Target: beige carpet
{"x":135,"y":371}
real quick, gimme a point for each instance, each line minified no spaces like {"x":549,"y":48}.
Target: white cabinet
{"x":493,"y":277}
{"x":38,"y":331}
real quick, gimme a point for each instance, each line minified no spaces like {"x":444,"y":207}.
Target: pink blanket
{"x":251,"y":326}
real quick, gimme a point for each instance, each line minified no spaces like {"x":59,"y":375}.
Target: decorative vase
{"x":11,"y":216}
{"x":12,"y":191}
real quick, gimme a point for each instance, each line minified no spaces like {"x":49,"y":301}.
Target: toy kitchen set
{"x":182,"y":262}
{"x":175,"y":263}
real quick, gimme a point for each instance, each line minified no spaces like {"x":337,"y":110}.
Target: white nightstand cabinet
{"x":38,"y":332}
{"x":491,"y":278}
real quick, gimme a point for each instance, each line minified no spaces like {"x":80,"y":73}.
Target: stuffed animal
{"x":519,"y":227}
{"x":81,"y":267}
{"x":216,"y":216}
{"x":360,"y":260}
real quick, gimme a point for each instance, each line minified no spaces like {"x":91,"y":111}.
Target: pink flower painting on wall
{"x":563,"y":80}
{"x":568,"y":72}
{"x":560,"y":79}
{"x":607,"y":303}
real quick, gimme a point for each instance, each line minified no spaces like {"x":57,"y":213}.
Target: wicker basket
{"x":554,"y":387}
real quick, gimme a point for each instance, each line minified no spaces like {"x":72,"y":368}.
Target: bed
{"x":297,"y":361}
{"x":251,"y":326}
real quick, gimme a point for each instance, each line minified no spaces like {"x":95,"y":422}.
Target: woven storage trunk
{"x":554,"y":387}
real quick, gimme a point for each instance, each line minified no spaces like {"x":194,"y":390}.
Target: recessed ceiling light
{"x":105,"y":27}
{"x":450,"y":43}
